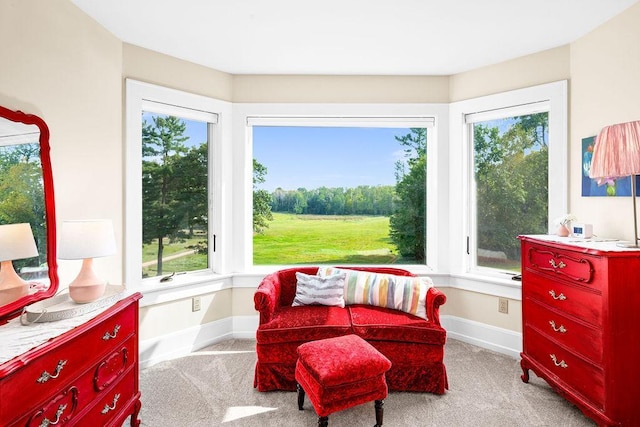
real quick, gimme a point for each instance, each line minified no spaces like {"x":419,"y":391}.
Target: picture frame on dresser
{"x":580,"y":317}
{"x":79,"y":371}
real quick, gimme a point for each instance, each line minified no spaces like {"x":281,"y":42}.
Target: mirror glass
{"x":26,"y":197}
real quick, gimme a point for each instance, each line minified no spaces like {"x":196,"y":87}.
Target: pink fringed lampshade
{"x":617,"y":154}
{"x":617,"y":151}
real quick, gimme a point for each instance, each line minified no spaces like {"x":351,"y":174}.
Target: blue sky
{"x":313,"y":157}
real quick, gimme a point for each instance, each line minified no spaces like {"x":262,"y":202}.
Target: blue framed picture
{"x":611,"y":187}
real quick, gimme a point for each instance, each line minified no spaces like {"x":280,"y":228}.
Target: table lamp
{"x":616,"y":154}
{"x":16,"y":242}
{"x":85,"y":240}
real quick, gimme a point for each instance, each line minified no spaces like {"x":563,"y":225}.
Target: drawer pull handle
{"x":59,"y":412}
{"x":560,"y":328}
{"x":46,"y":376}
{"x":561,"y":363}
{"x":561,"y":297}
{"x":559,"y":265}
{"x":108,"y":408}
{"x":108,"y":336}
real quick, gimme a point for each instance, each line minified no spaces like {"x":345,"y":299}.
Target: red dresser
{"x":581,"y":320}
{"x":87,"y":376}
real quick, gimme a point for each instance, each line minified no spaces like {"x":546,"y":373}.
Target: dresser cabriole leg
{"x":525,"y":371}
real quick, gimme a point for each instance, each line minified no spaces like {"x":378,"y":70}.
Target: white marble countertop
{"x":596,"y":243}
{"x":16,"y":338}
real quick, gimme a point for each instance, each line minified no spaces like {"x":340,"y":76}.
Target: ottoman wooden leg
{"x":300,"y":396}
{"x":379,"y":412}
{"x":323,"y":421}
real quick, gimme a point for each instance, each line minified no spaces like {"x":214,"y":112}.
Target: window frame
{"x":553,"y":95}
{"x":138,"y":96}
{"x":386,"y":115}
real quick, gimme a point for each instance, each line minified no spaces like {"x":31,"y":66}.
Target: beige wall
{"x":543,"y":67}
{"x":163,"y":70}
{"x":345,"y":89}
{"x":70,"y":72}
{"x":175,"y":316}
{"x":605,"y":89}
{"x":61,"y":65}
{"x":482,"y":308}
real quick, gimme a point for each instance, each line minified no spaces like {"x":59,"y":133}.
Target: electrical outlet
{"x":503,"y":305}
{"x":195,"y":304}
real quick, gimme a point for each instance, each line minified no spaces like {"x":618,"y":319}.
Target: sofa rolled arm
{"x":435,"y":298}
{"x":266,"y":297}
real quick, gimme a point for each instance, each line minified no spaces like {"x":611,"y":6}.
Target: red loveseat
{"x":414,"y":346}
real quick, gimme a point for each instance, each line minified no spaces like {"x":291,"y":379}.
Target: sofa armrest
{"x":435,"y":298}
{"x":267,"y":296}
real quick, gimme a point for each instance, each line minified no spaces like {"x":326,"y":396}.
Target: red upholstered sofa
{"x":414,"y":346}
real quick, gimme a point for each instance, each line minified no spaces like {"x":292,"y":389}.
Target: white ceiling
{"x":350,"y":37}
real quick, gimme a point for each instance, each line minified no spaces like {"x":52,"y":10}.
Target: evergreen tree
{"x":261,"y":199}
{"x":408,"y":222}
{"x":162,"y":146}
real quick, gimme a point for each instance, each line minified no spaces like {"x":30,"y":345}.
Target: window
{"x":510,"y":186}
{"x":172,"y":192}
{"x":340,"y":190}
{"x":515,"y":178}
{"x":175,"y":205}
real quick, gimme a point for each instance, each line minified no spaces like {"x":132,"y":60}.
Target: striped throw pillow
{"x":404,"y":293}
{"x":327,"y":290}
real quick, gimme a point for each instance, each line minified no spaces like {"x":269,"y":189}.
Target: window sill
{"x":191,"y":285}
{"x":181,"y":287}
{"x":489,"y":284}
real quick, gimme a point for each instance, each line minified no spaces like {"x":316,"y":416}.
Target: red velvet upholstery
{"x":342,"y":372}
{"x":414,"y":346}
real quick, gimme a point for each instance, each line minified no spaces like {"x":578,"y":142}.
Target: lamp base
{"x":87,"y":286}
{"x":86,"y":293}
{"x":14,"y":293}
{"x":12,"y":287}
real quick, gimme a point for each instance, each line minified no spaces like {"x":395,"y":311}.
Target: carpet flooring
{"x":214,"y":387}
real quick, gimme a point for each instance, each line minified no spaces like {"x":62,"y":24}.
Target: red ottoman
{"x":338,"y":373}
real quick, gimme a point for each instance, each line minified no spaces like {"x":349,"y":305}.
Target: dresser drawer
{"x":83,"y":391}
{"x":569,"y":368}
{"x":46,"y":374}
{"x":562,"y":264}
{"x":575,"y":301}
{"x":110,"y":402}
{"x":566,"y":331}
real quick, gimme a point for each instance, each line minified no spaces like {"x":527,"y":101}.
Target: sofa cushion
{"x":326,"y":290}
{"x":304,"y":323}
{"x":384,"y":324}
{"x":404,"y":293}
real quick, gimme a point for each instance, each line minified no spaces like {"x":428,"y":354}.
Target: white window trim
{"x":137,"y":94}
{"x":555,"y":94}
{"x":405,"y":115}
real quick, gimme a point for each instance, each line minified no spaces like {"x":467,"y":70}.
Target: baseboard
{"x":183,"y":342}
{"x":482,"y":335}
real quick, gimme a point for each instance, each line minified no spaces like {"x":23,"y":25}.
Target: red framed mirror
{"x":26,"y":202}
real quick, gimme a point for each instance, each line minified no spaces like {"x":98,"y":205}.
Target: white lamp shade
{"x":17,"y":242}
{"x":86,"y":239}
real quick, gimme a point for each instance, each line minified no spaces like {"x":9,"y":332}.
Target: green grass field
{"x":296,"y":239}
{"x":190,"y":262}
{"x":312,"y":239}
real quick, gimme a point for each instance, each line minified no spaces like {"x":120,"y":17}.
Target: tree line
{"x":361,"y":200}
